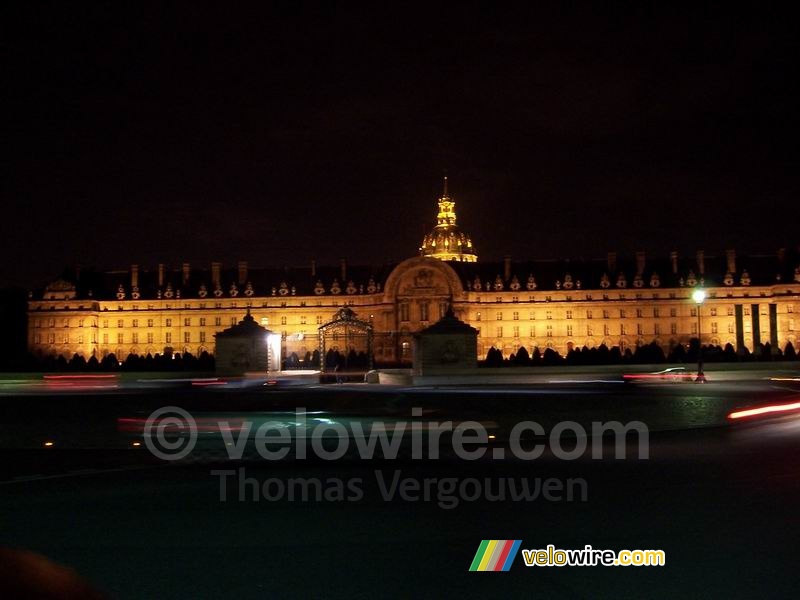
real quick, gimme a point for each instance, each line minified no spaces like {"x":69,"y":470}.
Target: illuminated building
{"x":559,"y":304}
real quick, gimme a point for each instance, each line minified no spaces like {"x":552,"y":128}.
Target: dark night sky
{"x":279,"y":134}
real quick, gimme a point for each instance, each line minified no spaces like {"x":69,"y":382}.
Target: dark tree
{"x":522,"y":358}
{"x":77,"y":363}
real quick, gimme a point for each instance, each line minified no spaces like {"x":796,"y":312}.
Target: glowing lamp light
{"x":49,"y":444}
{"x":699,"y":296}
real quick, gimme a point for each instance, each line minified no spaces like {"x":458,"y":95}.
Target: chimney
{"x":640,"y":261}
{"x":343,"y":265}
{"x":313,"y":268}
{"x":730,"y":255}
{"x":160,"y":275}
{"x":186,"y":270}
{"x":242,"y":272}
{"x":506,"y":267}
{"x":701,"y":262}
{"x":216,"y":267}
{"x":134,"y":276}
{"x":612,"y":262}
{"x":673,"y":258}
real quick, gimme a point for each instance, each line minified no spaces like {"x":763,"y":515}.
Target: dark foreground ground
{"x":722,"y":502}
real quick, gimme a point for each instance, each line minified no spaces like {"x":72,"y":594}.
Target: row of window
{"x":64,"y":338}
{"x":134,"y":338}
{"x":623,"y":313}
{"x":168,"y":322}
{"x":625,"y":330}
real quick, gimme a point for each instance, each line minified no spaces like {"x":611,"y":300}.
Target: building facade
{"x":559,"y":304}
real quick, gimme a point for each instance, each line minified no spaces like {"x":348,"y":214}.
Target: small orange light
{"x":48,"y":444}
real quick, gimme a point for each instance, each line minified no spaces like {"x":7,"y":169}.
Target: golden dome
{"x":447,"y":241}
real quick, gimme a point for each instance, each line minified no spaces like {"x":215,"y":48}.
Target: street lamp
{"x":699,"y":297}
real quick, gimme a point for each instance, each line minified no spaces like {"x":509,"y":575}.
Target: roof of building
{"x":247,"y":327}
{"x":613,"y":273}
{"x":449,"y":324}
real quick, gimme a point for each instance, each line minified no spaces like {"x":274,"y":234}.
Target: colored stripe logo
{"x":495,"y":555}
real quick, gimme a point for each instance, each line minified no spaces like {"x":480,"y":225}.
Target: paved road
{"x":721,"y":502}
